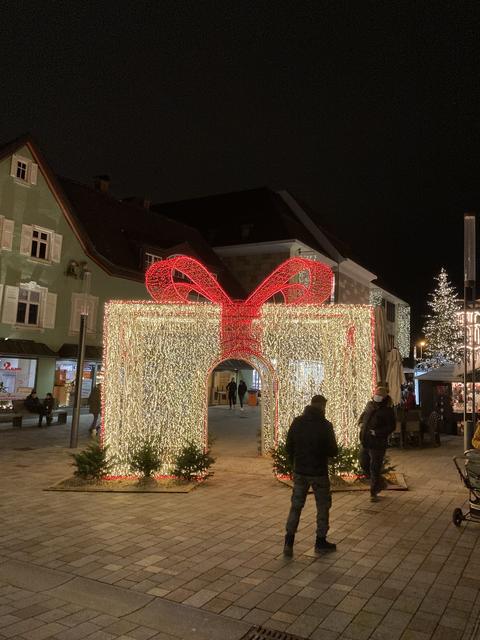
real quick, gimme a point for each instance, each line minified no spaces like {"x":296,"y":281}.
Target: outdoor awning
{"x":447,"y":373}
{"x":25,"y":349}
{"x":70,"y":352}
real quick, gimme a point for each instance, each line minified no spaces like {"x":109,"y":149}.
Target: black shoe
{"x":321,"y":545}
{"x":288,"y":546}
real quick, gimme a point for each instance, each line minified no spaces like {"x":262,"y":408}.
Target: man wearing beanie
{"x":377,"y":422}
{"x":310,"y":442}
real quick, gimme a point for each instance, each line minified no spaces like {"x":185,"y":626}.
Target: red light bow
{"x":238,"y":333}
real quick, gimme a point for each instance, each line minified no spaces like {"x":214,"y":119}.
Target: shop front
{"x":66,"y":372}
{"x":24,"y":365}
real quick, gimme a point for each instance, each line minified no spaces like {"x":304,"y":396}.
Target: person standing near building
{"x":377,"y":422}
{"x":232,"y":393}
{"x":49,"y":406}
{"x":310,"y":442}
{"x":95,"y":407}
{"x":242,"y":390}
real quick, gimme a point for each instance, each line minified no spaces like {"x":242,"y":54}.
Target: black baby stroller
{"x":469,"y":471}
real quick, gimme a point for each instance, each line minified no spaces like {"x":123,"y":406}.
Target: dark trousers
{"x":41,"y":412}
{"x":323,"y":499}
{"x":240,"y":397}
{"x":94,"y":426}
{"x":371,"y":461}
{"x":232,"y":400}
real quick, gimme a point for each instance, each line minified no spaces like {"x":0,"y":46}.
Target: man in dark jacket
{"x":377,"y":422}
{"x":310,"y":442}
{"x":32,"y":403}
{"x":232,"y":393}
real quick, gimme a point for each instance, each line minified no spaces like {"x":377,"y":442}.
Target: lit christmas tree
{"x":442,"y":331}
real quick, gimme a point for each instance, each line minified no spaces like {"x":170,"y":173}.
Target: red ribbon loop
{"x":175,"y":279}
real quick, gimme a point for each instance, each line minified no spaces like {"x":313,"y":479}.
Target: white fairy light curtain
{"x":158,"y":355}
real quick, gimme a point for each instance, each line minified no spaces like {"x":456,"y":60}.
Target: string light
{"x":158,"y":356}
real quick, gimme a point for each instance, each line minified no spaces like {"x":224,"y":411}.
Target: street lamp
{"x":421,"y":344}
{"x":80,"y":360}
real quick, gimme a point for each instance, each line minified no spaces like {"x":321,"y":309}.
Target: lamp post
{"x":469,"y":264}
{"x":421,"y":344}
{"x":80,"y":360}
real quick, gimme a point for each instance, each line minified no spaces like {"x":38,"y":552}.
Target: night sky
{"x":367,"y":111}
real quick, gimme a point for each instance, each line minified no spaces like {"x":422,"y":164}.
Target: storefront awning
{"x":25,"y":348}
{"x":70,"y":352}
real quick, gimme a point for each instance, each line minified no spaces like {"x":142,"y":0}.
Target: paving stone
{"x":337,"y":621}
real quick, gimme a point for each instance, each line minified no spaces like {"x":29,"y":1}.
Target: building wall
{"x":352,"y":291}
{"x":36,"y":205}
{"x":250,"y":270}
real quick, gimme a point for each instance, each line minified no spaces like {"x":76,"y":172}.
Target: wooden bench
{"x":19,"y":411}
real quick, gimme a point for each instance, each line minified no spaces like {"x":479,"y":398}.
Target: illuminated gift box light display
{"x":158,"y":355}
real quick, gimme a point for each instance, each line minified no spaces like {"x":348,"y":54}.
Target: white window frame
{"x":150,"y":258}
{"x":48,"y":243}
{"x":29,"y":292}
{"x":30,"y":170}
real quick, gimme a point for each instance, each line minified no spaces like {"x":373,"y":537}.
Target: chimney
{"x":101,"y":183}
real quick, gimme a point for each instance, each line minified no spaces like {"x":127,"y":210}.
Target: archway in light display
{"x":158,"y":355}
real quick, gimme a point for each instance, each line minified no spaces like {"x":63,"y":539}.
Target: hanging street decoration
{"x":158,"y":355}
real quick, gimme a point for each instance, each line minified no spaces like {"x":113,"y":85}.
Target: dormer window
{"x":24,"y":170}
{"x":151,"y":258}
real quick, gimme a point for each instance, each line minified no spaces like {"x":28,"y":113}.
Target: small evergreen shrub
{"x":346,"y":462}
{"x":92,"y":462}
{"x":192,"y":462}
{"x":146,"y":459}
{"x":281,"y":464}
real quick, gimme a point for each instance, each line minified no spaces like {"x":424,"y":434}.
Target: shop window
{"x":17,"y":377}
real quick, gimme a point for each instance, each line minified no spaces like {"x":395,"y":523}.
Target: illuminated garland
{"x":158,"y":356}
{"x":403,"y":329}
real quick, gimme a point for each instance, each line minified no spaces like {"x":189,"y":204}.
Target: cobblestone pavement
{"x":208,"y":564}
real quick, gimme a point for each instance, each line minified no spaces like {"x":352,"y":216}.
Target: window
{"x":390,"y":312}
{"x":24,"y":170}
{"x":150,"y":258}
{"x":29,"y":305}
{"x":28,"y":309}
{"x":257,"y":380}
{"x":40,"y":242}
{"x":21,"y":170}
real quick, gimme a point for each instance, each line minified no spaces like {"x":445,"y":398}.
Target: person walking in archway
{"x":232,"y":393}
{"x":310,"y":442}
{"x":242,"y":390}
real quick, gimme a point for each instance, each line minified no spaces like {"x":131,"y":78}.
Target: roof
{"x":132,"y":229}
{"x":255,"y":215}
{"x":25,"y":348}
{"x":447,"y":373}
{"x":70,"y":352}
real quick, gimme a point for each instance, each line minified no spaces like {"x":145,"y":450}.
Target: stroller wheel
{"x":457,"y":517}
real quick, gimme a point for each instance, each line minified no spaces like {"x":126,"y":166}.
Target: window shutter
{"x":26,"y":240}
{"x":92,"y":314}
{"x":76,"y":310}
{"x":56,"y":250}
{"x":13,"y":166}
{"x":33,"y":173}
{"x":50,"y":310}
{"x":7,"y":234}
{"x":10,"y":304}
